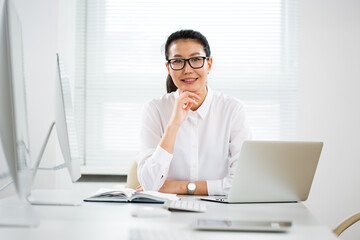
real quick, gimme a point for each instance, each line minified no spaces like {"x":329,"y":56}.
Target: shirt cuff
{"x":162,"y":157}
{"x":214,"y":187}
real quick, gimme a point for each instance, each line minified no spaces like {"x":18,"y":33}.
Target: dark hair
{"x":183,"y":34}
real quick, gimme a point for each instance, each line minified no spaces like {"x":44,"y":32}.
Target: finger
{"x":184,"y":102}
{"x":191,"y":94}
{"x":188,"y":106}
{"x":192,"y":101}
{"x":139,"y":188}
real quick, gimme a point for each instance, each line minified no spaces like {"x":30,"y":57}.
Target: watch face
{"x":191,"y":187}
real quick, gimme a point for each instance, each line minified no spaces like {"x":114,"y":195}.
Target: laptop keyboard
{"x":188,"y":206}
{"x":216,"y":199}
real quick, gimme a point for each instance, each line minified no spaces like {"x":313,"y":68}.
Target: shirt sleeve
{"x":240,"y":131}
{"x":153,"y":161}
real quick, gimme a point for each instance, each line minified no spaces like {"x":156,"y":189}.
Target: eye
{"x":195,"y":59}
{"x":177,"y":61}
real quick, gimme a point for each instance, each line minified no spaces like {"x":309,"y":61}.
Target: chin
{"x":189,"y":89}
{"x":193,"y":88}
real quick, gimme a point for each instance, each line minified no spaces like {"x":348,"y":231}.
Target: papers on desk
{"x":129,"y":195}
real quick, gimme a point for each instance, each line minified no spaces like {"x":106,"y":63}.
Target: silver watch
{"x":191,"y":187}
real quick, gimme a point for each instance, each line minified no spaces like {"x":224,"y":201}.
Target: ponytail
{"x":170,"y":86}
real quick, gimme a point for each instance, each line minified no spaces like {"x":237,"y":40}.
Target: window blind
{"x":120,"y":65}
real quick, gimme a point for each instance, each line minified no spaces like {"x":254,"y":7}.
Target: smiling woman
{"x":180,"y":150}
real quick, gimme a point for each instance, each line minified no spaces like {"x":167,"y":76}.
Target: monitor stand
{"x":55,"y":197}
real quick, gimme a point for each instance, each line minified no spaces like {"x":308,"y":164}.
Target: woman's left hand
{"x":139,"y":188}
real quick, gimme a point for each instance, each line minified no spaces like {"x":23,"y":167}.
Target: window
{"x":120,"y":65}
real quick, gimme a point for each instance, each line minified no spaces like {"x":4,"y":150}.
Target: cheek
{"x":202,"y":73}
{"x":175,"y":75}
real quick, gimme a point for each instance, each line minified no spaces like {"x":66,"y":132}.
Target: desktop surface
{"x":94,"y":220}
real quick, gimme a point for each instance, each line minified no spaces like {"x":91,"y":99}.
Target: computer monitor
{"x":7,"y":170}
{"x":13,"y":119}
{"x":65,"y":121}
{"x":13,"y":111}
{"x":67,"y":137}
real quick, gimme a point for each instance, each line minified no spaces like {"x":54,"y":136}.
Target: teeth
{"x":189,"y":80}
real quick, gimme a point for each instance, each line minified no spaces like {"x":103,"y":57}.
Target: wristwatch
{"x":191,"y":187}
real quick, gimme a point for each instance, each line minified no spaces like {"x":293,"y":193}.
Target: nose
{"x":187,"y":67}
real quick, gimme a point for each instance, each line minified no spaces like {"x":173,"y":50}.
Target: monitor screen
{"x":14,"y":135}
{"x":7,"y":170}
{"x":65,"y":122}
{"x":13,"y":109}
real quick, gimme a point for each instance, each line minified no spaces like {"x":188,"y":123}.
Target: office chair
{"x":132,"y":180}
{"x":346,"y":223}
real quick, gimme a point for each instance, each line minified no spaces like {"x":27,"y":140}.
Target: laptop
{"x":273,"y":171}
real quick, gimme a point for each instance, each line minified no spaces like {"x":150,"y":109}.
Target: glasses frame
{"x":187,"y":60}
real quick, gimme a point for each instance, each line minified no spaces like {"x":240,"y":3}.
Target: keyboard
{"x":187,"y":206}
{"x":153,"y":234}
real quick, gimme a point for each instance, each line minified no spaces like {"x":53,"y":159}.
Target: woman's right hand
{"x":180,"y":110}
{"x":182,"y":106}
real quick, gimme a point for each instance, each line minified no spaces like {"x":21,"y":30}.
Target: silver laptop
{"x":273,"y":171}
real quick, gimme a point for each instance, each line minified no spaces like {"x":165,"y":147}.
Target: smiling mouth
{"x":189,"y":80}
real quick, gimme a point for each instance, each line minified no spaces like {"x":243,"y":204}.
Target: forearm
{"x":153,"y":168}
{"x":168,"y":140}
{"x":180,"y":187}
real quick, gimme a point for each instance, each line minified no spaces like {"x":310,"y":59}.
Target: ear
{"x":209,"y":62}
{"x":168,"y":67}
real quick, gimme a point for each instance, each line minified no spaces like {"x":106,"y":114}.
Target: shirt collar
{"x":205,"y":106}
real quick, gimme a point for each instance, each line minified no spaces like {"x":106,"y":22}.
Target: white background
{"x":329,"y":102}
{"x":329,"y":105}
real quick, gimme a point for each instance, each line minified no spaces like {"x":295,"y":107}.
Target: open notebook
{"x":129,"y":195}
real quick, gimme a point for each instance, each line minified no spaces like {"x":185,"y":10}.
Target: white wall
{"x":329,"y":105}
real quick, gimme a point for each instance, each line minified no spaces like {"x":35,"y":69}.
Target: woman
{"x":192,"y":136}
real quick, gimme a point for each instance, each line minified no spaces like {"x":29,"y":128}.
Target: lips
{"x":189,"y":80}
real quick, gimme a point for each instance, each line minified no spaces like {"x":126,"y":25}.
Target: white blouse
{"x":207,"y":143}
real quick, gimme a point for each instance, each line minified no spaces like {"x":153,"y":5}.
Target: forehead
{"x":186,"y":48}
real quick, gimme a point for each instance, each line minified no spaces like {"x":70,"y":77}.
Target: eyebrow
{"x":193,"y":54}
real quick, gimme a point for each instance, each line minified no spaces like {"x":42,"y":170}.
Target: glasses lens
{"x":196,"y":62}
{"x":177,"y":64}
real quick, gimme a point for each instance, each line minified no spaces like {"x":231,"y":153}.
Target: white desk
{"x":100,"y":221}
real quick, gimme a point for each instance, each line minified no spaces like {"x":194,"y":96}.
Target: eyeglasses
{"x":194,"y":62}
